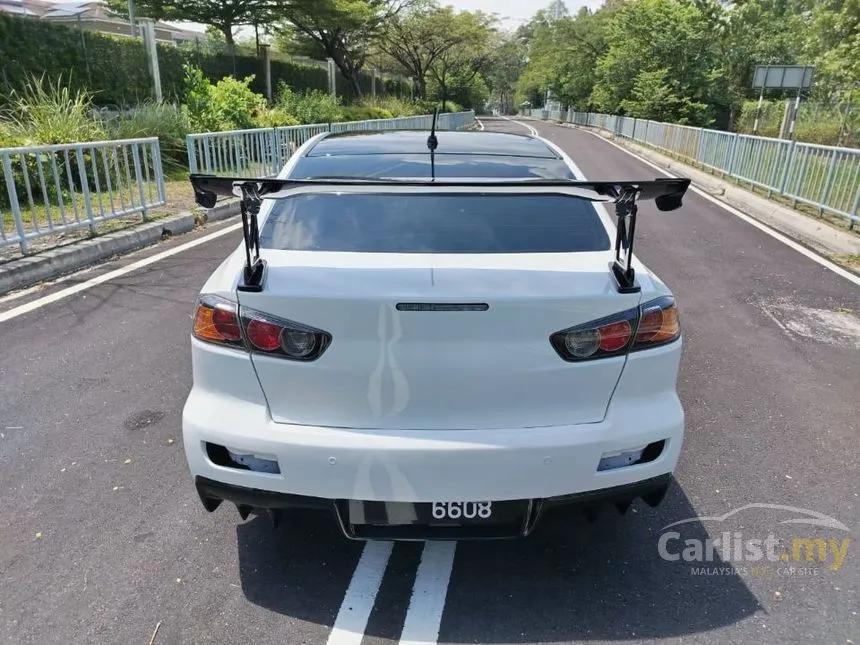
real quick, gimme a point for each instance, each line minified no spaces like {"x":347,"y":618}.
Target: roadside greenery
{"x":47,"y":111}
{"x":691,"y":61}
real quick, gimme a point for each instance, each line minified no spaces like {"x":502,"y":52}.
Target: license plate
{"x":437,"y":513}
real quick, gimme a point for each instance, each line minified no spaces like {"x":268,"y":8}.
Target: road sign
{"x":786,"y":77}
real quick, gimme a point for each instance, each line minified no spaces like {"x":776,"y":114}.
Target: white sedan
{"x":434,"y":344}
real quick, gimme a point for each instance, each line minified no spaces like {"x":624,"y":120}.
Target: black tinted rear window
{"x":418,"y":165}
{"x":434,"y":223}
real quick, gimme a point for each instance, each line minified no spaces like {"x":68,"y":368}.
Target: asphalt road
{"x":103,"y":538}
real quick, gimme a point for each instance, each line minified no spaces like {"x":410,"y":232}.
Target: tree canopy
{"x":688,"y":61}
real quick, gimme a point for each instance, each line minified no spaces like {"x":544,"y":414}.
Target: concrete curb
{"x":32,"y":269}
{"x":224,"y":210}
{"x":813,"y":233}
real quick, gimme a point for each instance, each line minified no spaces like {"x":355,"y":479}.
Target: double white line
{"x":424,"y":615}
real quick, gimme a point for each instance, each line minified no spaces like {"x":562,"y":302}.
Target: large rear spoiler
{"x":666,"y":193}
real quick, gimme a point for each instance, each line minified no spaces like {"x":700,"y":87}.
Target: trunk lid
{"x":418,"y":369}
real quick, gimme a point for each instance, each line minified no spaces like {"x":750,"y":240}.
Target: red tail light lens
{"x":615,"y":336}
{"x":264,"y":335}
{"x":654,"y":323}
{"x":220,"y":321}
{"x":283,"y":338}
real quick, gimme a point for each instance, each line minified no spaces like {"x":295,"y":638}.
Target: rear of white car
{"x":433,"y":363}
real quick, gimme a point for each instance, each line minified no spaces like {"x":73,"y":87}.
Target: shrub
{"x":310,"y":106}
{"x":46,"y":113}
{"x":230,"y":104}
{"x":236,"y":105}
{"x":450,"y":106}
{"x":276,"y":118}
{"x":361,"y":113}
{"x":166,"y":121}
{"x":395,"y":106}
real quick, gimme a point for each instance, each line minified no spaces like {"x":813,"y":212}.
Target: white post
{"x":373,"y":82}
{"x":148,"y":29}
{"x":758,"y":109}
{"x":332,"y":80}
{"x":131,"y":16}
{"x":794,"y":115}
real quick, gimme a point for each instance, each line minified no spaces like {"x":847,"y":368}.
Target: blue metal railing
{"x":264,"y":151}
{"x":824,"y":177}
{"x":47,"y":190}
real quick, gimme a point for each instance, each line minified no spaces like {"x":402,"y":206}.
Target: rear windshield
{"x":434,"y":223}
{"x":446,"y":166}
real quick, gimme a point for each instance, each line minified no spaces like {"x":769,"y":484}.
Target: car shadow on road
{"x":300,"y":569}
{"x":570,"y":580}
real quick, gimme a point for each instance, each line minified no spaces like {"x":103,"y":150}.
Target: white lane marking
{"x":360,"y":596}
{"x":26,"y":292}
{"x":827,"y":264}
{"x":424,"y":615}
{"x":531,"y":130}
{"x":480,"y":124}
{"x":110,"y":275}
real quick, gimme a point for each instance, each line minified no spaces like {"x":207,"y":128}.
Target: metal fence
{"x":46,"y":190}
{"x":824,"y":177}
{"x":262,"y":152}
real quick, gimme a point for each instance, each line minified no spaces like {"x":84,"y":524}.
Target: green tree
{"x":342,"y":30}
{"x":563,"y":55}
{"x":663,"y":45}
{"x":223,"y":15}
{"x":461,"y":64}
{"x":508,"y":60}
{"x":746,"y":34}
{"x":414,"y":40}
{"x":833,"y":46}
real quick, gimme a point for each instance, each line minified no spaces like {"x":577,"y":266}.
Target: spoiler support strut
{"x":622,"y":267}
{"x":250,"y":208}
{"x":667,"y":194}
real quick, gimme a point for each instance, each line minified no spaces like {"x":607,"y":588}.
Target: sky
{"x":517,"y":11}
{"x":513,"y":12}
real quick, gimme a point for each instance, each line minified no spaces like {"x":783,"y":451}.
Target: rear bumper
{"x":430,"y":465}
{"x":324,"y":467}
{"x":249,"y":500}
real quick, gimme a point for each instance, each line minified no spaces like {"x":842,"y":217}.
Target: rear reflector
{"x":631,"y":456}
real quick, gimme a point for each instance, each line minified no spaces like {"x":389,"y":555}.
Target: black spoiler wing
{"x":666,"y":193}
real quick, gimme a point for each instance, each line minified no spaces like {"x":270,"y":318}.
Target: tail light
{"x":221,"y":321}
{"x":215,"y":321}
{"x":650,"y":325}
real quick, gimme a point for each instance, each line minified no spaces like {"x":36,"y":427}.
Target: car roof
{"x":450,"y":142}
